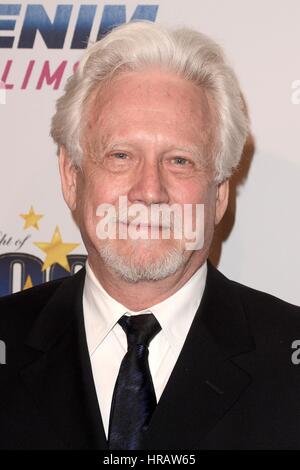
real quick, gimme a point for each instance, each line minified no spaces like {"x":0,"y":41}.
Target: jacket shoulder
{"x":19,"y":310}
{"x":271,"y":319}
{"x":260,"y":301}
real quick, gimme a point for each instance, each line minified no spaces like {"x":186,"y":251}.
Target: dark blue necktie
{"x":134,"y":397}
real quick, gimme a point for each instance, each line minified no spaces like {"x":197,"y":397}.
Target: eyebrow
{"x":193,"y":149}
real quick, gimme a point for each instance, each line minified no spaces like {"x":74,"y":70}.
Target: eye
{"x":119,"y":161}
{"x":120,"y":155}
{"x":181,"y":161}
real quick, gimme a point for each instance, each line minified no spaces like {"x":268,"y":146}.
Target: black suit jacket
{"x":234,"y":385}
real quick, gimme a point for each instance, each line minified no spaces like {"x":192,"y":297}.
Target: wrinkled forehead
{"x":149,"y":94}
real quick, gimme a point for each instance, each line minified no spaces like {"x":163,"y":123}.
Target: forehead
{"x":152,"y":100}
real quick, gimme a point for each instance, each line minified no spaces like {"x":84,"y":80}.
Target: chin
{"x":143,"y":263}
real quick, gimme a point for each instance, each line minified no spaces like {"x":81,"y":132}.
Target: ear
{"x":68,"y":176}
{"x":221,"y":200}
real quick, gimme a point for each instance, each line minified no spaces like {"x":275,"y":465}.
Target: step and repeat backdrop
{"x":40,"y":43}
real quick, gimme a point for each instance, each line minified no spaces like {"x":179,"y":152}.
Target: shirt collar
{"x":101,"y":311}
{"x":175,"y":314}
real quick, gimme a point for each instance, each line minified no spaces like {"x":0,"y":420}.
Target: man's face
{"x":148,"y":136}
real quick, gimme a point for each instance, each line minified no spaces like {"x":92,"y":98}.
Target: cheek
{"x":204,"y":193}
{"x":86,"y":203}
{"x":195,"y":192}
{"x":199,"y":192}
{"x":210,"y":211}
{"x":100,"y":187}
{"x":91,"y":194}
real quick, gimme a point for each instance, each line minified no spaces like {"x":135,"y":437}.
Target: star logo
{"x":31,"y":219}
{"x":28,"y":283}
{"x":56,"y":251}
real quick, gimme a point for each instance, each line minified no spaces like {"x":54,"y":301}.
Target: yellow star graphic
{"x":56,"y":251}
{"x":31,"y":219}
{"x":28,"y":283}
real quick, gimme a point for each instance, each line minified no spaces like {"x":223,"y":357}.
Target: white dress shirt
{"x":107,"y":342}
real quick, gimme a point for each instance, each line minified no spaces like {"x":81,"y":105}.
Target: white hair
{"x":188,"y":53}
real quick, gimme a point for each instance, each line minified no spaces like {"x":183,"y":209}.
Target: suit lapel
{"x":60,"y":378}
{"x":205,"y":382}
{"x":204,"y":385}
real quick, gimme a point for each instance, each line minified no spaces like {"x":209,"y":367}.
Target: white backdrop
{"x":261,"y":38}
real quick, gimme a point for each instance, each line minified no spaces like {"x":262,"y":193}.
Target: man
{"x":149,"y":347}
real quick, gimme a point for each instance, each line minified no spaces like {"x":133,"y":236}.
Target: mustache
{"x":160,"y":220}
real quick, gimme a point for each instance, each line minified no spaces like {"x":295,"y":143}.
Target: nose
{"x":149,"y":186}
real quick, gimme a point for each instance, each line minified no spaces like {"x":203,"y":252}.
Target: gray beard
{"x":135,"y":271}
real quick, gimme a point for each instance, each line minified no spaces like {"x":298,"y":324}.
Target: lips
{"x":139,"y":225}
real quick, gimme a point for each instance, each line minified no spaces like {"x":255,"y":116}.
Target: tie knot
{"x":140,"y":329}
